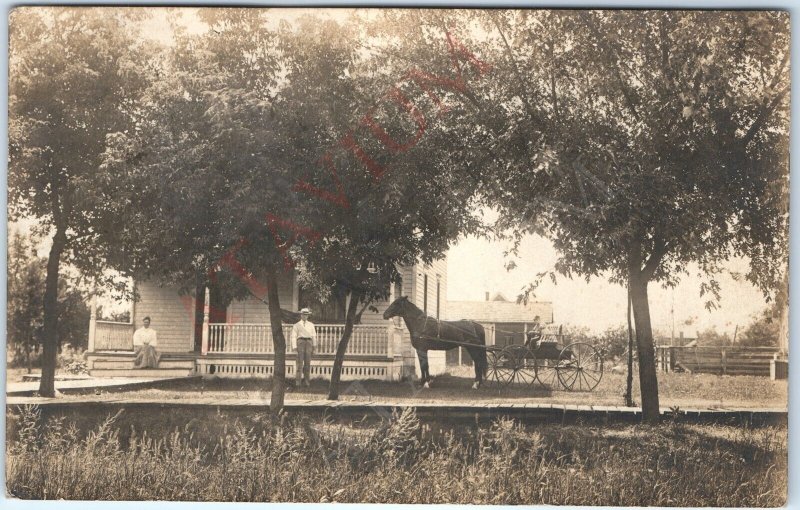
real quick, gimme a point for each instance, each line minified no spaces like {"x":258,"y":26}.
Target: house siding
{"x":436,"y":271}
{"x":255,"y":311}
{"x":370,"y":318}
{"x":171,"y":315}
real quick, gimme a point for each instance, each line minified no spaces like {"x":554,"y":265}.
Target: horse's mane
{"x":415,"y":308}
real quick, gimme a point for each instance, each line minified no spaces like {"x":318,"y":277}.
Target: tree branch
{"x":770,"y":106}
{"x":510,"y":54}
{"x":659,"y":250}
{"x":626,"y":93}
{"x":763,"y":116}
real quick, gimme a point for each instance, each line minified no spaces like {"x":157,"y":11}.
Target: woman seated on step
{"x":145,"y":341}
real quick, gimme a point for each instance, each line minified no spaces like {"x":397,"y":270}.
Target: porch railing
{"x":257,"y":339}
{"x":113,"y":336}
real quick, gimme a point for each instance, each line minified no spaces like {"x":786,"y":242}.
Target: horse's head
{"x":396,"y":308}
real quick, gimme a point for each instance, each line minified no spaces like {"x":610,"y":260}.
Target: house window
{"x":332,"y":311}
{"x":425,"y":294}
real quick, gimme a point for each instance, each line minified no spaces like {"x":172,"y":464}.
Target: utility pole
{"x":672,"y":319}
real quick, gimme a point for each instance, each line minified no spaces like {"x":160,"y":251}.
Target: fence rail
{"x":717,"y":360}
{"x":113,"y":336}
{"x":257,"y":339}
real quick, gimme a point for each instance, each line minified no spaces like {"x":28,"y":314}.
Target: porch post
{"x":92,"y":323}
{"x":206,"y":308}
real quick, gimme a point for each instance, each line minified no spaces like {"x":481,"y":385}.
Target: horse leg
{"x":480,"y":363}
{"x":423,"y":367}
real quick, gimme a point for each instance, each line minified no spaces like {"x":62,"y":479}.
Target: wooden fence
{"x":716,"y":360}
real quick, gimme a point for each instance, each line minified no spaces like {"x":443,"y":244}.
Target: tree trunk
{"x":28,"y":362}
{"x":648,"y":383}
{"x":341,"y":348}
{"x":50,"y":331}
{"x":278,"y":341}
{"x":629,"y":382}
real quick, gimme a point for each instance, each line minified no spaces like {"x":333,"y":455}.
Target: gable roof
{"x":500,"y":311}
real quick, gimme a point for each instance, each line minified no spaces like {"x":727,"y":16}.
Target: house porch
{"x":235,"y":339}
{"x":246,"y":350}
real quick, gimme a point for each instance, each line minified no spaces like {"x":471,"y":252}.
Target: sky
{"x":476,"y":266}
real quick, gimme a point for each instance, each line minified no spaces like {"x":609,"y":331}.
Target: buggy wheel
{"x":580,"y":367}
{"x":500,"y":370}
{"x":547,"y":372}
{"x":523,"y":361}
{"x":508,"y":365}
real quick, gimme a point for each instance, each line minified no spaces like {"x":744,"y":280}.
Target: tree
{"x":249,"y":139}
{"x":73,"y":76}
{"x":25,"y":281}
{"x":712,"y":337}
{"x":764,"y":330}
{"x":73,"y":314}
{"x":213,"y":156}
{"x":401,"y":199}
{"x":26,"y":276}
{"x":614,"y":342}
{"x":638,"y":143}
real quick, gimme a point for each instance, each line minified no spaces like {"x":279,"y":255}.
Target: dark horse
{"x":429,"y":334}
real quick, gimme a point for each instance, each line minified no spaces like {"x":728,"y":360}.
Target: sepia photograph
{"x":484,"y":256}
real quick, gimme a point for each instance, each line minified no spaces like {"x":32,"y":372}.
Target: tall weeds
{"x":402,"y":461}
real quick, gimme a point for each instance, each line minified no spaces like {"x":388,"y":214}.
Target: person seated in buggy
{"x":534,"y":335}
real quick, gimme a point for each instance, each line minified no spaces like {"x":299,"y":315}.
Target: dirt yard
{"x":681,"y":390}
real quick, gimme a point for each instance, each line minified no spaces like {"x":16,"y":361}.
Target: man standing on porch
{"x":303,"y":337}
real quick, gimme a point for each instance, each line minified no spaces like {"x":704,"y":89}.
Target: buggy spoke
{"x":586,"y":380}
{"x":591,"y":377}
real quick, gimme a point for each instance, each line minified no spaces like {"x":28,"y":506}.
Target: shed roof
{"x":500,"y":311}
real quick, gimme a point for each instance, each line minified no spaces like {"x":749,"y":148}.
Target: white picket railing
{"x":257,"y":339}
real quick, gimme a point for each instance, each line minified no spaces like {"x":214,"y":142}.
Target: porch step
{"x":112,"y":364}
{"x":120,"y":364}
{"x":142,"y":372}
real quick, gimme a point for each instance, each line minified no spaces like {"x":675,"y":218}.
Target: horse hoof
{"x":475,"y":385}
{"x":426,"y":385}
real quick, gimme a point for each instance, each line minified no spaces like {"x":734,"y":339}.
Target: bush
{"x":72,"y":360}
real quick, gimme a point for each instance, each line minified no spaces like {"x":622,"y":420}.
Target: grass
{"x":255,"y":458}
{"x":675,"y":389}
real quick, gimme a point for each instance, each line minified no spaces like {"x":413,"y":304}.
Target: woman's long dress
{"x":146,"y":357}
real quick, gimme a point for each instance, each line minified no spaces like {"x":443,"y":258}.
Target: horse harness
{"x":473,"y":334}
{"x":438,"y":336}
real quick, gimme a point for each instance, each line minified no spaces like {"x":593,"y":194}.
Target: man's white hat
{"x":306,"y":310}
